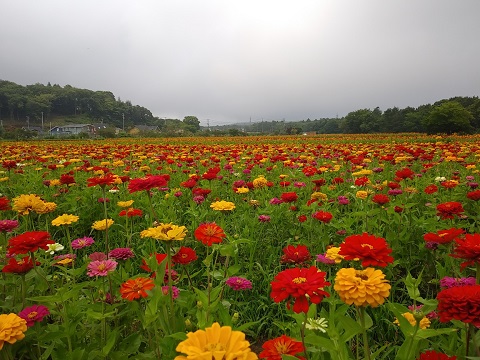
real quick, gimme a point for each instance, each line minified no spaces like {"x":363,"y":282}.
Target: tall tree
{"x":449,"y":117}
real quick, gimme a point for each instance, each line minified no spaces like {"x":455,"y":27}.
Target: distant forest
{"x":38,"y":103}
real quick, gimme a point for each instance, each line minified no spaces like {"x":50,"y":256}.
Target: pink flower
{"x":82,"y":242}
{"x":121,"y":254}
{"x":175,"y":291}
{"x":264,"y":218}
{"x":8,"y":225}
{"x":324,"y":260}
{"x":275,"y":201}
{"x":97,"y":256}
{"x":238,"y":283}
{"x":448,"y":282}
{"x":33,"y":314}
{"x":101,"y":268}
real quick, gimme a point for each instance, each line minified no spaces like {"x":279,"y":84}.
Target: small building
{"x":72,"y":129}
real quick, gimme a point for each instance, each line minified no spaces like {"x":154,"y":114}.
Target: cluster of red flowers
{"x":28,"y":242}
{"x":148,"y":183}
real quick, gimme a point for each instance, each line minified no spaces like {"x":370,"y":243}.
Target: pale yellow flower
{"x":125,"y":204}
{"x":65,"y":219}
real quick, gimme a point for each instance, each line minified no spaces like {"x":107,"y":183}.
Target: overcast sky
{"x":229,"y":61}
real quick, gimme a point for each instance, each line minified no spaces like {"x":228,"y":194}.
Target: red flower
{"x":297,"y":283}
{"x":381,"y":199}
{"x":468,"y":249}
{"x":190,"y":183}
{"x":67,"y":179}
{"x":398,"y":209}
{"x":159,"y":257}
{"x":443,"y":236}
{"x":449,"y":209}
{"x":136,"y":288}
{"x":209,"y":233}
{"x":184,"y":256}
{"x":323,"y":216}
{"x":371,"y":250}
{"x":29,"y":241}
{"x":9,"y":164}
{"x":295,"y":254}
{"x":434,"y":355}
{"x":102,"y":181}
{"x":302,"y":218}
{"x":405,"y":173}
{"x":431,"y":189}
{"x":361,"y":181}
{"x":147,"y":183}
{"x":460,"y":303}
{"x":200,"y":191}
{"x":289,"y":197}
{"x":283,"y":345}
{"x":19,"y":266}
{"x":319,"y":182}
{"x":131,"y":212}
{"x":4,"y":203}
{"x":474,"y":195}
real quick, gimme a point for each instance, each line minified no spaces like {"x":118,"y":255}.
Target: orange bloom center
{"x":361,"y":275}
{"x":101,"y":267}
{"x":299,"y":280}
{"x":214,"y":347}
{"x":209,"y":231}
{"x":32,"y":315}
{"x":367,"y":245}
{"x":281,"y":348}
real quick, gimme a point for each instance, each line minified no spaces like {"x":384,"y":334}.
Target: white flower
{"x":440,"y":178}
{"x":317,"y":324}
{"x":52,"y":248}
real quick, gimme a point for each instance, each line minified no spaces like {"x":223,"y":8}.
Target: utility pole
{"x":123,"y":121}
{"x":208,"y":124}
{"x":42,"y":121}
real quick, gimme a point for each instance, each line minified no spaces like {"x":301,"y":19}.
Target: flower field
{"x":320,"y":247}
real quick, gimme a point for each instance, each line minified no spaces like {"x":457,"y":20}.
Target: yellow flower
{"x":12,"y":328}
{"x":166,"y":232}
{"x":319,"y":196}
{"x":361,"y":194}
{"x":23,"y":204}
{"x":424,"y":323}
{"x":362,"y":287}
{"x":65,"y":219}
{"x":125,"y":204}
{"x":3,"y":179}
{"x":332,"y":254}
{"x":215,"y":342}
{"x":55,"y":182}
{"x":260,"y":182}
{"x":242,"y":190}
{"x":223,"y":205}
{"x":102,"y":224}
{"x":48,"y":207}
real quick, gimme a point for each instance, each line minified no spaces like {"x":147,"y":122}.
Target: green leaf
{"x":112,"y":338}
{"x":350,"y":326}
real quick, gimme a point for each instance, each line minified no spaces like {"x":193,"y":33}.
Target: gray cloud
{"x":228,"y":61}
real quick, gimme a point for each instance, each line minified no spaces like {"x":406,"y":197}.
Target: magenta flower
{"x":8,"y":225}
{"x":65,"y":256}
{"x":343,"y":200}
{"x":238,"y":283}
{"x":449,"y":282}
{"x":33,"y":314}
{"x":121,"y":254}
{"x":82,"y":242}
{"x":101,"y":268}
{"x":198,"y":199}
{"x":324,"y":260}
{"x":264,"y":218}
{"x":97,"y":256}
{"x":275,"y":201}
{"x":175,"y":291}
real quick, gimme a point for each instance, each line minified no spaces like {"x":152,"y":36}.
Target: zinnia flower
{"x":448,"y":282}
{"x":12,"y":328}
{"x":166,"y":232}
{"x":468,"y":249}
{"x":8,"y":225}
{"x":125,"y":204}
{"x":23,"y":204}
{"x":474,"y":195}
{"x":435,"y":355}
{"x":131,"y":212}
{"x":295,"y":254}
{"x":460,"y":303}
{"x":52,"y":248}
{"x":298,"y":283}
{"x":323,"y":216}
{"x":29,"y":241}
{"x":19,"y":266}
{"x":136,"y":288}
{"x":215,"y":342}
{"x":101,"y":268}
{"x":80,"y":243}
{"x":431,"y":189}
{"x":65,"y":219}
{"x":449,"y":210}
{"x":4,"y":203}
{"x":209,"y":233}
{"x":362,"y":287}
{"x":380,"y":199}
{"x":222,"y":205}
{"x":332,"y":254}
{"x":147,"y":183}
{"x":238,"y":283}
{"x":283,"y":345}
{"x":289,"y":197}
{"x":371,"y":250}
{"x":33,"y":314}
{"x":102,"y":225}
{"x":185,"y":255}
{"x":424,"y":322}
{"x":121,"y":254}
{"x":443,"y":236}
{"x":175,"y":291}
{"x":102,"y":181}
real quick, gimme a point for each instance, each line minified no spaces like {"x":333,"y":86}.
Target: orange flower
{"x":209,"y":233}
{"x":275,"y":348}
{"x":135,"y":288}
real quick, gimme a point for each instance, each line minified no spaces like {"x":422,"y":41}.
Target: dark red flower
{"x":147,"y":183}
{"x":380,"y":199}
{"x":398,"y":209}
{"x":189,"y":184}
{"x":405,"y":173}
{"x":4,"y":204}
{"x":297,"y":284}
{"x":474,"y":195}
{"x":289,"y":197}
{"x":283,"y":345}
{"x":323,"y":216}
{"x":209,"y":233}
{"x":67,"y":179}
{"x":185,"y":255}
{"x":9,"y":164}
{"x":467,"y":248}
{"x":19,"y":266}
{"x":449,"y":210}
{"x":295,"y":254}
{"x":29,"y":241}
{"x":460,"y":303}
{"x":431,"y":189}
{"x":371,"y":250}
{"x":302,"y":218}
{"x":443,"y":236}
{"x":434,"y":355}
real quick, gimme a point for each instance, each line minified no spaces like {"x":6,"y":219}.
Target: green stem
{"x":105,"y":214}
{"x":302,"y":334}
{"x":24,"y":290}
{"x":478,"y":273}
{"x":170,"y":283}
{"x":152,"y":210}
{"x":366,"y":348}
